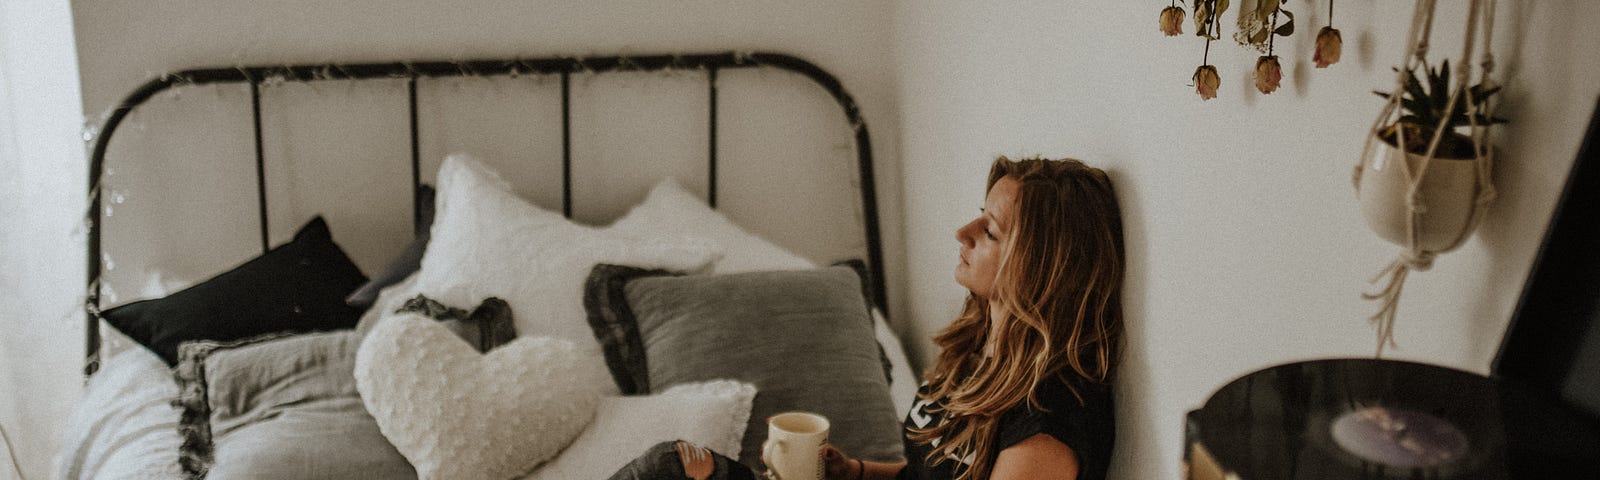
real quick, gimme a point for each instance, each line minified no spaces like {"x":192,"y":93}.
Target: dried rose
{"x":1268,"y":73}
{"x":1206,"y":82}
{"x":1172,"y":21}
{"x":1328,"y":46}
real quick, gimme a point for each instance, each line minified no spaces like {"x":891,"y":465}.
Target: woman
{"x":1021,"y":387}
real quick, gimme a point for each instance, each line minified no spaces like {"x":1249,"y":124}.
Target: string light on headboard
{"x":558,"y":68}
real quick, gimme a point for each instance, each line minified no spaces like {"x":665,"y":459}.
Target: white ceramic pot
{"x":1445,"y":200}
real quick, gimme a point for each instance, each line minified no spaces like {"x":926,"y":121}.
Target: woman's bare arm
{"x":1039,"y":457}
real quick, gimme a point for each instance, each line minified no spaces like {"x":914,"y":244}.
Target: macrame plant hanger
{"x":1416,"y":255}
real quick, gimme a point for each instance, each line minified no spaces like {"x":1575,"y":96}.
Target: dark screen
{"x":1552,"y":345}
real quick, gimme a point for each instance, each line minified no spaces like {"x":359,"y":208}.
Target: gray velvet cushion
{"x":287,"y":407}
{"x":804,"y":338}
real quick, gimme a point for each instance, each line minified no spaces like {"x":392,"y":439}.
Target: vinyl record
{"x":1351,"y":419}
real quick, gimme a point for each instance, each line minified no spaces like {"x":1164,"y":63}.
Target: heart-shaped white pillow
{"x":457,"y":414}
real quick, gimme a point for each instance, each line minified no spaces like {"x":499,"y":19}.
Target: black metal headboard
{"x":562,"y":66}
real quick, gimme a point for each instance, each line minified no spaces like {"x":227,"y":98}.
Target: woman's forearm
{"x":880,"y":470}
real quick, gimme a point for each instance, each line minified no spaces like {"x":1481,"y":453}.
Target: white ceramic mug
{"x":793,"y":450}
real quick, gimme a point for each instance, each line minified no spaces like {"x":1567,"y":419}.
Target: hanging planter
{"x":1444,"y":177}
{"x":1423,"y":181}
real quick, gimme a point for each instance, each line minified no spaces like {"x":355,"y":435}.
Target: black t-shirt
{"x":1088,"y":428}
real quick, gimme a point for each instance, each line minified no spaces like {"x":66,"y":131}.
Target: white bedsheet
{"x":124,"y":426}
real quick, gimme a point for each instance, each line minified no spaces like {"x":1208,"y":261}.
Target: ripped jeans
{"x":661,"y":462}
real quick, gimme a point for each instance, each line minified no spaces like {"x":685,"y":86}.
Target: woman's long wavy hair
{"x":1060,"y":284}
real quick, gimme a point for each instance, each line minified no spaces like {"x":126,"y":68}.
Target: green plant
{"x":1425,"y":104}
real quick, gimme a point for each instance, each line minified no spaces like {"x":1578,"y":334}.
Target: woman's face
{"x":983,"y":238}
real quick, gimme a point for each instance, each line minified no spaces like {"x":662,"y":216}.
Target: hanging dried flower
{"x":1172,"y":21}
{"x":1268,"y":73}
{"x":1258,"y":26}
{"x":1206,"y":82}
{"x":1328,"y":47}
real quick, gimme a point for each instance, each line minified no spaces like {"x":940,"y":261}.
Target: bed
{"x":461,"y":316}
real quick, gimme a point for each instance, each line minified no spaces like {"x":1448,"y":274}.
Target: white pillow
{"x":710,"y":414}
{"x":672,"y":211}
{"x":902,"y":383}
{"x":389,"y":299}
{"x":457,"y":414}
{"x":488,"y":242}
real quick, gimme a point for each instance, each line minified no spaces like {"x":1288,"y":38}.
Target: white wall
{"x":41,"y":202}
{"x":1245,"y":244}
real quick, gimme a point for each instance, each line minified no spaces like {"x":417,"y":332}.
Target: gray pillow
{"x":804,"y":338}
{"x":280,"y":407}
{"x":405,"y":264}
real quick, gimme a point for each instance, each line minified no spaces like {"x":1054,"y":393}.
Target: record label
{"x":1399,"y":437}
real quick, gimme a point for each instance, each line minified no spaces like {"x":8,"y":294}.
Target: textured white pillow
{"x":710,"y":414}
{"x":457,"y":414}
{"x":389,"y":299}
{"x":672,"y":211}
{"x":488,"y":242}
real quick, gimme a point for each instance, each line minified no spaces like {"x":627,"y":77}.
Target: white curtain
{"x":42,"y":178}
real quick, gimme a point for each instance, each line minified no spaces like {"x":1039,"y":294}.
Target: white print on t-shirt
{"x":921,"y":417}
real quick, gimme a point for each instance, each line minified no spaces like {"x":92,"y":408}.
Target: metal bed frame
{"x":412,"y":71}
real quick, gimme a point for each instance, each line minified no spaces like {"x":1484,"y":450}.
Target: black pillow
{"x":297,"y":287}
{"x":405,"y":264}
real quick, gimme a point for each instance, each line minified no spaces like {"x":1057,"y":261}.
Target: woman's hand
{"x":837,"y":466}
